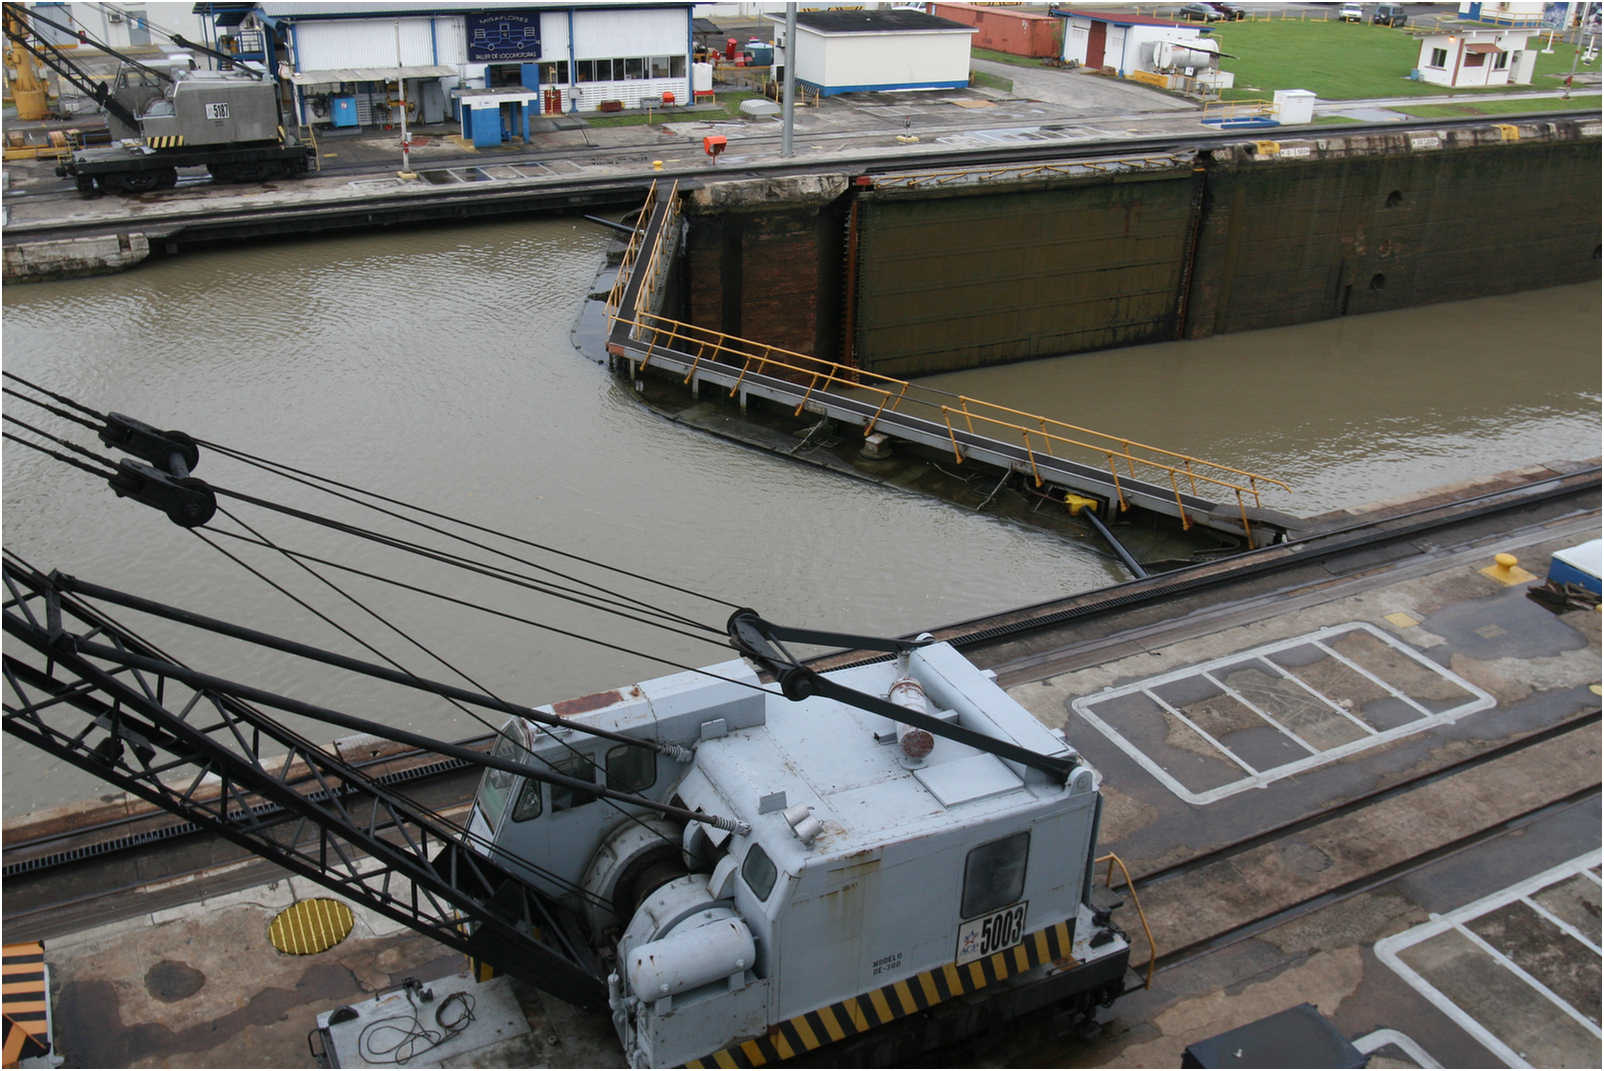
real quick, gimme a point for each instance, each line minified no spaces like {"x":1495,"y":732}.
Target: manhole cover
{"x":310,"y":926}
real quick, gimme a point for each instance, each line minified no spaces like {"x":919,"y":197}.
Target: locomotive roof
{"x":841,"y":761}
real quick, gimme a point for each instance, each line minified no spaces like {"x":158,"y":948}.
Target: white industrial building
{"x":1156,"y":51}
{"x":121,"y":26}
{"x":512,"y":61}
{"x":1517,"y":12}
{"x":1471,"y":59}
{"x":875,"y":50}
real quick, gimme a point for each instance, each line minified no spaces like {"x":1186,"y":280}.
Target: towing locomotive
{"x":911,"y":862}
{"x":162,"y":117}
{"x":225,"y":121}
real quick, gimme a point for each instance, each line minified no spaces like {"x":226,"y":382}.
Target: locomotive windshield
{"x":496,"y":787}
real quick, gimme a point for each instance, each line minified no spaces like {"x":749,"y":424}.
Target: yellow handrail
{"x":1128,"y":443}
{"x":891,"y":393}
{"x":631,"y":251}
{"x":1108,"y":882}
{"x":1235,"y":109}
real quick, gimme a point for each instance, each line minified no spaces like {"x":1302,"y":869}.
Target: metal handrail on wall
{"x":1175,"y":466}
{"x":656,"y":263}
{"x":704,"y":344}
{"x":631,"y":251}
{"x":1186,"y":460}
{"x":1236,"y":109}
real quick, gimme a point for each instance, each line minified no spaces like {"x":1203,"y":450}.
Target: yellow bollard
{"x":1506,"y":570}
{"x":657,"y":165}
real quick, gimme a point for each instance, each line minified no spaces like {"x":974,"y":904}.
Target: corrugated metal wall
{"x":634,"y":32}
{"x":451,"y":38}
{"x":956,"y":282}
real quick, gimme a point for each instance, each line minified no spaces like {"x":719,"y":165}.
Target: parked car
{"x":1389,"y":15}
{"x":1230,"y":12}
{"x":1198,"y":13}
{"x":1351,"y":13}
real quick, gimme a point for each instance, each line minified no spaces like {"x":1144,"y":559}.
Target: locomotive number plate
{"x":981,"y":937}
{"x":217,"y":111}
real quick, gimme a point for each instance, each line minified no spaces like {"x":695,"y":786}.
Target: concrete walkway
{"x":1080,"y":91}
{"x":1384,"y":109}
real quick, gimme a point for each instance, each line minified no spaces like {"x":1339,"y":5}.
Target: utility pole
{"x":1576,"y":55}
{"x":401,"y":80}
{"x":790,"y":79}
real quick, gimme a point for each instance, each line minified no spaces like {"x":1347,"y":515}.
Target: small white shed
{"x":899,"y":48}
{"x":1467,"y":59}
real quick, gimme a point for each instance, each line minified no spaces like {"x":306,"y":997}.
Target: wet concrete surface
{"x":202,"y":986}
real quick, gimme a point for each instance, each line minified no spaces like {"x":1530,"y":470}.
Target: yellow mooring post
{"x":1506,"y":570}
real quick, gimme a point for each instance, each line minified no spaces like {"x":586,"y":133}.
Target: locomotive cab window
{"x":528,"y":805}
{"x":630,"y":768}
{"x":562,"y":797}
{"x":994,"y":875}
{"x":759,"y":872}
{"x":495,"y":786}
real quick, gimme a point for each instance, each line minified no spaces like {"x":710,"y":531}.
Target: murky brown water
{"x":1347,"y":411}
{"x":437,"y":367}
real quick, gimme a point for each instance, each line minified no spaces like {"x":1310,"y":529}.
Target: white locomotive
{"x":884,"y":885}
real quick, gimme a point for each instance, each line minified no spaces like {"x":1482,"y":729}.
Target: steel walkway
{"x":1118,"y":473}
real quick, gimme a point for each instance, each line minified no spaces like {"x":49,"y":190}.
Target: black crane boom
{"x":216,"y":761}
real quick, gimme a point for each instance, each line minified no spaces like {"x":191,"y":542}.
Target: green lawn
{"x":1005,"y":57}
{"x":1500,"y":107}
{"x":986,"y":80}
{"x":729,"y":99}
{"x":1342,"y":61}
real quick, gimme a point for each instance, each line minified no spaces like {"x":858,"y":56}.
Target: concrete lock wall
{"x":915,"y":281}
{"x":1289,"y":240}
{"x":962,"y":281}
{"x":70,"y":257}
{"x":762,"y":261}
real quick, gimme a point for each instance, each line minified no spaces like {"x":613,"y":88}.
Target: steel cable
{"x":307,"y":478}
{"x":290,"y":737}
{"x":475,"y":715}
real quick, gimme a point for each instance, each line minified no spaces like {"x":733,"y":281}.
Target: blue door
{"x":344,"y":111}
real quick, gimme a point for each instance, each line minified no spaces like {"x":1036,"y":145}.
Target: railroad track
{"x":982,"y":639}
{"x":1364,"y":883}
{"x":1575,"y":732}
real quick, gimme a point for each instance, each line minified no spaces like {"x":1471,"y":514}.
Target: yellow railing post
{"x":1186,"y":522}
{"x":946,"y":414}
{"x":1136,"y":902}
{"x":1119,"y":492}
{"x":1031,"y":456}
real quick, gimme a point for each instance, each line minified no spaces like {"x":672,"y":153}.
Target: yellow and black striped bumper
{"x":166,"y":141}
{"x":877,"y":1007}
{"x":23,"y":998}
